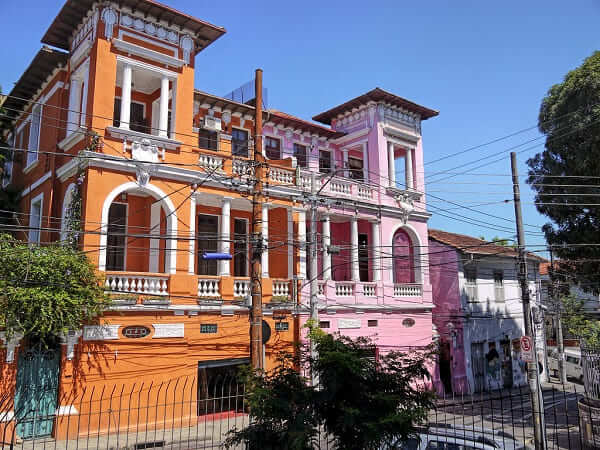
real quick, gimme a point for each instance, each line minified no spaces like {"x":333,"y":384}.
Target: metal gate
{"x":478,"y":366}
{"x":36,"y":391}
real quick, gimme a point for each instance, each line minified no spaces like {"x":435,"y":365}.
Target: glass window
{"x":272,"y":148}
{"x":324,"y":161}
{"x":216,"y":377}
{"x":208,"y":139}
{"x":471,"y":282}
{"x":206,"y":328}
{"x":137,"y":121}
{"x":240,"y":248}
{"x":117,"y":236}
{"x":363,"y":257}
{"x":499,"y":285}
{"x":355,"y":167}
{"x":35,"y":221}
{"x":239,"y":142}
{"x":34,"y":134}
{"x":282,"y":326}
{"x":300,"y":155}
{"x":372,"y":323}
{"x":324,"y":324}
{"x":207,"y":234}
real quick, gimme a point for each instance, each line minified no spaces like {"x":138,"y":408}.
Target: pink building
{"x":372,"y":224}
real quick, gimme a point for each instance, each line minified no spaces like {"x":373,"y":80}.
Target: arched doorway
{"x":403,"y":266}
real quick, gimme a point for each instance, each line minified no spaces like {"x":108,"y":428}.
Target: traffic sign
{"x":526,"y":349}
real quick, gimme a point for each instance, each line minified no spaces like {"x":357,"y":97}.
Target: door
{"x":363,"y":257}
{"x":117,"y":237}
{"x":208,"y":242}
{"x":240,"y":248}
{"x":446,"y":366}
{"x":36,"y":390}
{"x":478,"y":366}
{"x":507,"y":370}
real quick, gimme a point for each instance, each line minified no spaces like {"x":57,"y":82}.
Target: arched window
{"x":403,"y":258}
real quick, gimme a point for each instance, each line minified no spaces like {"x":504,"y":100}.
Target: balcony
{"x":408,"y":290}
{"x":154,"y":284}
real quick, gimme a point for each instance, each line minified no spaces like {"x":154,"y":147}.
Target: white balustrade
{"x":340,"y":187}
{"x":241,"y":288}
{"x":305,"y":181}
{"x":210,"y":162}
{"x":281,"y":176}
{"x":281,"y":289}
{"x":242,"y":167}
{"x":321,"y":288}
{"x":138,"y":284}
{"x":407,"y":290}
{"x":208,"y":288}
{"x":365,"y":192}
{"x":369,"y":289}
{"x":344,"y":288}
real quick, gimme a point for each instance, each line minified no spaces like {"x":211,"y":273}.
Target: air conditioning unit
{"x":212,"y":123}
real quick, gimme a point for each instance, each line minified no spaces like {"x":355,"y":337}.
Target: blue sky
{"x":485,"y":66}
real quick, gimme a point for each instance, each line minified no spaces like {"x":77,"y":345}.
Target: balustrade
{"x":407,"y":290}
{"x":344,"y":288}
{"x":281,"y":176}
{"x":137,"y":284}
{"x":281,"y":289}
{"x":208,"y":288}
{"x":241,"y":289}
{"x":369,"y":289}
{"x":210,"y":162}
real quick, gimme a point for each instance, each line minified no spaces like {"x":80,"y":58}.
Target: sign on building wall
{"x":348,"y":323}
{"x":168,"y":330}
{"x":100,"y":332}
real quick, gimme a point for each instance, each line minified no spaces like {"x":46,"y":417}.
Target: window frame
{"x":499,"y":287}
{"x":37,"y":231}
{"x":126,"y":226}
{"x":272,"y":138}
{"x":216,"y":139}
{"x":471,"y":291}
{"x":247,"y":226}
{"x":145,"y":115}
{"x":198,"y":239}
{"x":33,"y":147}
{"x":354,"y":174}
{"x":329,"y":160}
{"x":244,"y":130}
{"x":296,"y":146}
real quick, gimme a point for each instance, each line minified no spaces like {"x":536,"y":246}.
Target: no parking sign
{"x":526,"y":349}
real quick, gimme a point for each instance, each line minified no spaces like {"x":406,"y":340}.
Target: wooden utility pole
{"x":557,"y":310}
{"x":258,"y":246}
{"x":314,"y":287}
{"x":537,"y":401}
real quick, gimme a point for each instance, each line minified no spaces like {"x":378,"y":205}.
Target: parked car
{"x":572,"y":363}
{"x":447,"y":437}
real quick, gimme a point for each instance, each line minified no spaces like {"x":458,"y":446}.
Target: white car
{"x":440,"y":437}
{"x":572,"y":363}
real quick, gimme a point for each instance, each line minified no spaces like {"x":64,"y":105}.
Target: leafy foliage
{"x":577,"y":323}
{"x":570,"y":119}
{"x":361,"y":402}
{"x":46,"y":290}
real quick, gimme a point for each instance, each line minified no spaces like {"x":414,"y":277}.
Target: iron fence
{"x":185,"y":413}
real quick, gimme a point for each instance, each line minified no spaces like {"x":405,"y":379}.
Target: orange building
{"x":157,"y":192}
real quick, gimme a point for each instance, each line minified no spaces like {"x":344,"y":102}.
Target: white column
{"x":192,"y":248}
{"x":345,"y":162}
{"x":408,"y":161}
{"x":354,"y":269}
{"x":225,"y":236}
{"x":302,"y":244}
{"x":84,"y":95}
{"x":74,"y":105}
{"x":365,"y":161}
{"x":391,"y":165}
{"x":265,"y":236}
{"x":163,"y":117}
{"x":375,"y":252}
{"x":326,"y":243}
{"x":126,"y":97}
{"x":290,"y":238}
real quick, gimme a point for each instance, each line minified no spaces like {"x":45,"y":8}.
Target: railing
{"x":242,"y":167}
{"x":281,"y":176}
{"x":241,"y":288}
{"x":407,"y":290}
{"x":281,"y":289}
{"x":344,"y":288}
{"x":208,"y":288}
{"x":321,"y":288}
{"x":369,"y":289}
{"x":210,"y":162}
{"x":138,"y":283}
{"x":365,"y":192}
{"x":337,"y":186}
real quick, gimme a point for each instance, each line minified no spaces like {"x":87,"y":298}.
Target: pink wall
{"x":443,"y":270}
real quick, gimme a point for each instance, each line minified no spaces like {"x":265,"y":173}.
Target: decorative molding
{"x":149,"y":67}
{"x":144,"y":52}
{"x":174,"y":50}
{"x":100,"y":332}
{"x":145,"y":150}
{"x":150,"y":28}
{"x":187,"y":46}
{"x":168,"y":330}
{"x":73,"y":138}
{"x":142,"y":138}
{"x":348,"y":323}
{"x":36,"y":184}
{"x":70,"y":339}
{"x":143,"y":173}
{"x":351,"y":136}
{"x":109,"y":17}
{"x":399,"y":136}
{"x":10,"y":344}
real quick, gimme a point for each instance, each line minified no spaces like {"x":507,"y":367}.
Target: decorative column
{"x":409,"y":169}
{"x":375,"y":244}
{"x":265,"y":238}
{"x":354,"y":268}
{"x":326,"y":238}
{"x":126,"y":97}
{"x":290,"y":238}
{"x":74,"y":100}
{"x":365,"y":148}
{"x":345,"y":162}
{"x":163,"y":115}
{"x":391,"y":164}
{"x":302,"y":244}
{"x":225,"y":236}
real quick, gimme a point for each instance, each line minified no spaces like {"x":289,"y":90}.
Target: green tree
{"x":570,"y":119}
{"x":361,"y":402}
{"x":46,"y":290}
{"x":578,"y":323}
